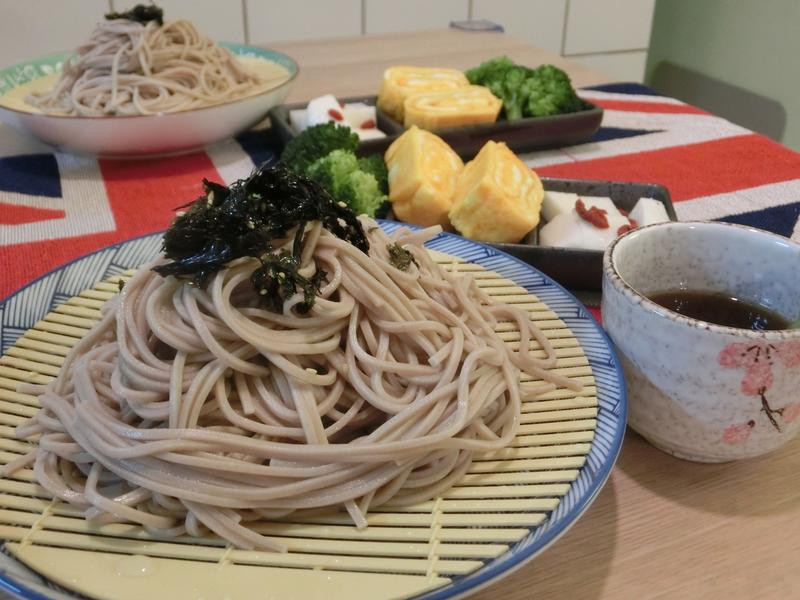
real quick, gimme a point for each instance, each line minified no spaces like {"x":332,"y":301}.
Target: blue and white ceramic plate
{"x":23,"y":309}
{"x":145,"y":135}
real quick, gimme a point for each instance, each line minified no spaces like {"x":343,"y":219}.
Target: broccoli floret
{"x":549,"y":92}
{"x":345,"y":177}
{"x":490,"y":70}
{"x":377,"y":166}
{"x":526,"y":92}
{"x":362,"y":193}
{"x":331,"y":171}
{"x":511,"y":92}
{"x":503,"y":78}
{"x":316,"y":142}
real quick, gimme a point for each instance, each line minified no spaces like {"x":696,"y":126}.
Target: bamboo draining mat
{"x":402,"y":553}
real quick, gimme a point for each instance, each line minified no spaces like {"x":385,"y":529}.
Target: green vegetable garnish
{"x":399,"y":257}
{"x":377,"y":166}
{"x":316,"y":142}
{"x":526,"y":92}
{"x":549,"y":92}
{"x":141,"y":13}
{"x":226,"y":223}
{"x":326,"y":153}
{"x":277,"y":279}
{"x":340,"y":173}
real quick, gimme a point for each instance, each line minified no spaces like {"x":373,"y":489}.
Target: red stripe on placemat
{"x":14,"y":214}
{"x":143,"y":195}
{"x":649,"y":107}
{"x":694,"y":170}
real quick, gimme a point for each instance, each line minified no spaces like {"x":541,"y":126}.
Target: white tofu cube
{"x":369,"y":134}
{"x":358,"y":113}
{"x":649,"y":211}
{"x":322,"y":109}
{"x":568,"y":230}
{"x":602,"y":202}
{"x":298,"y":118}
{"x":557,"y":203}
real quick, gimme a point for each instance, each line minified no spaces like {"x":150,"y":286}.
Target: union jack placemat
{"x":55,"y":206}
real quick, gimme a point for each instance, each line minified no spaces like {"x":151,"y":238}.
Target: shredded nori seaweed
{"x":277,"y":279}
{"x":142,"y":13}
{"x":399,"y":257}
{"x":227,"y":223}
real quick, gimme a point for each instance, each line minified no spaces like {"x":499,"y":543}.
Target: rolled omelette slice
{"x":423,"y":171}
{"x":401,"y":81}
{"x":451,"y":108}
{"x":498,"y":197}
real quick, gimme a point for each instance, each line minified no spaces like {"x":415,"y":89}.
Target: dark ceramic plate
{"x":583,"y":269}
{"x":522,"y":135}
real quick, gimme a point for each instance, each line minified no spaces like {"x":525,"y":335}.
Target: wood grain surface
{"x":661,"y":527}
{"x":354,"y":66}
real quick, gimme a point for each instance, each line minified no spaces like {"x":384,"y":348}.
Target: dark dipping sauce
{"x":720,"y":309}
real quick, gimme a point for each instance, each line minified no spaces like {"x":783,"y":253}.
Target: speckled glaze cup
{"x":701,"y":391}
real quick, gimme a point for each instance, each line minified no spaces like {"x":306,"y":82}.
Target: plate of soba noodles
{"x":143,"y":85}
{"x":276,"y":397}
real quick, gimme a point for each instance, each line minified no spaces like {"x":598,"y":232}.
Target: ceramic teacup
{"x":697,"y":390}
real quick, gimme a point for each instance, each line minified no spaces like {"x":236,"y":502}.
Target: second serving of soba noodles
{"x":282,"y":356}
{"x":134,"y":63}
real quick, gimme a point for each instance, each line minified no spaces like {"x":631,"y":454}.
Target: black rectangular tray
{"x":583,"y":269}
{"x":522,"y":135}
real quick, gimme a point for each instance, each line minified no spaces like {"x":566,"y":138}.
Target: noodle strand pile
{"x":188,"y":409}
{"x":130,"y":68}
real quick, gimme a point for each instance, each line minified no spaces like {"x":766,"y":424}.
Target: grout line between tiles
{"x":245,"y":24}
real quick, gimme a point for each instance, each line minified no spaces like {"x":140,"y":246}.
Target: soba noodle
{"x":187,"y":409}
{"x":127,"y":68}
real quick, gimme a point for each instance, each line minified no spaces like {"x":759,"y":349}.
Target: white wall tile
{"x":608,"y":25}
{"x":540,"y":22}
{"x":284,"y":20}
{"x":33,"y":28}
{"x":388,"y":16}
{"x":221,"y":21}
{"x":622,"y":66}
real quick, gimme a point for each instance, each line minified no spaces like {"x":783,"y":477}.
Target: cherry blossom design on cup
{"x":757,"y":359}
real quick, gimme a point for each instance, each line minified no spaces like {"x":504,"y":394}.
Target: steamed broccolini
{"x":527,"y":92}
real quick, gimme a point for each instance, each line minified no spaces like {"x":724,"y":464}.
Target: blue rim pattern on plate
{"x":21,"y":310}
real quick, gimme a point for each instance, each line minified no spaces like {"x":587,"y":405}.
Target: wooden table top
{"x":354,"y":65}
{"x":661,"y":527}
